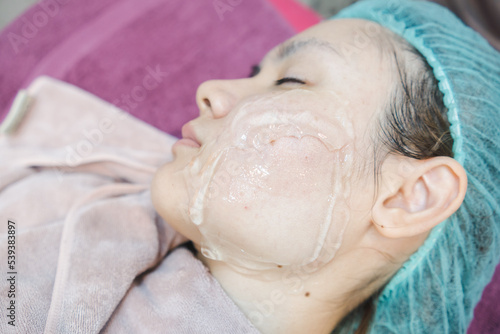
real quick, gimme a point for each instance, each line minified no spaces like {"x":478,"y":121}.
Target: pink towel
{"x":89,"y":246}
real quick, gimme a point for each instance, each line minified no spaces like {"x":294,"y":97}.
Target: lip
{"x":188,"y":137}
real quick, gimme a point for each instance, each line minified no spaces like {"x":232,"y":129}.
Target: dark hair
{"x":413,"y":124}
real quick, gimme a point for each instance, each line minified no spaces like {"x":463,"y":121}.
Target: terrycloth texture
{"x":75,"y":180}
{"x":179,"y":296}
{"x":437,"y":288}
{"x":108,"y":47}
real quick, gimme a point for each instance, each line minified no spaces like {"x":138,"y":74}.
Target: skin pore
{"x":275,"y":187}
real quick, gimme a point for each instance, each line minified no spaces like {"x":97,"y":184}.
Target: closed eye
{"x":254,"y":71}
{"x":292,"y":80}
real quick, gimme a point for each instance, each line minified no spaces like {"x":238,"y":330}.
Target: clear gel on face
{"x":271,"y":189}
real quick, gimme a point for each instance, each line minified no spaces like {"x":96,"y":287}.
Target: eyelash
{"x":256,"y":69}
{"x":287,"y":79}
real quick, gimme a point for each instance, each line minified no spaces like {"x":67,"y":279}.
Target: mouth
{"x":188,"y":137}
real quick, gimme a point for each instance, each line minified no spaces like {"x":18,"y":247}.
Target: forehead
{"x":342,"y":29}
{"x":348,"y":38}
{"x":356,"y":50}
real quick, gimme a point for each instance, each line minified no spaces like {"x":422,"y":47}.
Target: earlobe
{"x":431,"y":192}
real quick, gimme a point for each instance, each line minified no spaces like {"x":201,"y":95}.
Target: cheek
{"x":271,"y":189}
{"x":271,"y":205}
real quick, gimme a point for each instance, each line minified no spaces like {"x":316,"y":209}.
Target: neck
{"x":284,"y":301}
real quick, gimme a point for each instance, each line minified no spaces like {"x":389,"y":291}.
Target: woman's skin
{"x":261,"y":243}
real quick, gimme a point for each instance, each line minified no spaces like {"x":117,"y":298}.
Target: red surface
{"x":299,"y":16}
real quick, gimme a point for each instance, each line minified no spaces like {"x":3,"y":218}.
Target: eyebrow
{"x":286,"y":50}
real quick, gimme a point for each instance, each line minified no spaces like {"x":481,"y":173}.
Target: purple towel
{"x":487,"y":312}
{"x":147,"y":57}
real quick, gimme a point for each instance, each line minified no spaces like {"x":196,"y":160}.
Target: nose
{"x":217,"y":98}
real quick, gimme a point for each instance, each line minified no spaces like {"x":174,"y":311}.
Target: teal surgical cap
{"x":437,"y":289}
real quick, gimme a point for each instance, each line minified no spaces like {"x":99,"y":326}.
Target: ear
{"x":431,"y":191}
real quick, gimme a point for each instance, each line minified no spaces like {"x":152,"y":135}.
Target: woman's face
{"x":273,"y":171}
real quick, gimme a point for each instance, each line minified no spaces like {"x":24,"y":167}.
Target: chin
{"x":170,"y":200}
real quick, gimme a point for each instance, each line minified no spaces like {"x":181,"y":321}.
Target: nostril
{"x":207,"y":102}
